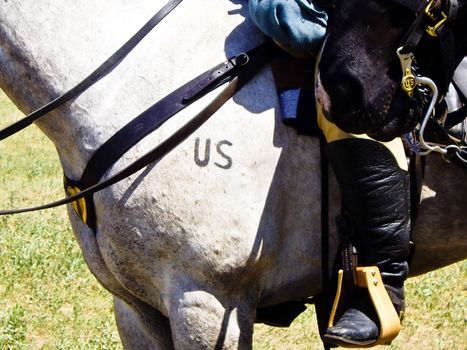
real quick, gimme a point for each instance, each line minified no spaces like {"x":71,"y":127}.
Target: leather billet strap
{"x":349,"y":256}
{"x":104,"y":69}
{"x":157,"y":114}
{"x":76,"y":192}
{"x":240,"y":70}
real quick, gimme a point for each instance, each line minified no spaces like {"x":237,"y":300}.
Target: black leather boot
{"x":374,"y":191}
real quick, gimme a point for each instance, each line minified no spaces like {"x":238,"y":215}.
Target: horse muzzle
{"x":340,"y":95}
{"x":345,"y":101}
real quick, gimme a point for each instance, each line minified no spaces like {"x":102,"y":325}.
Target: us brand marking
{"x":220,"y":149}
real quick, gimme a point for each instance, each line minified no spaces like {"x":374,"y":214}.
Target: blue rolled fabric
{"x":297,"y":24}
{"x":288,"y":104}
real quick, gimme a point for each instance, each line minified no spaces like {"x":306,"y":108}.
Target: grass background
{"x":49,"y":299}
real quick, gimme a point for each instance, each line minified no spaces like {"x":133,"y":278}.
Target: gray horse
{"x":229,"y":221}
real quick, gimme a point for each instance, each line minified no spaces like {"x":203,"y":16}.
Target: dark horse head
{"x":359,"y":73}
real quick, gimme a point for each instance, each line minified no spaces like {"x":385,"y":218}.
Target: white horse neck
{"x":246,"y":205}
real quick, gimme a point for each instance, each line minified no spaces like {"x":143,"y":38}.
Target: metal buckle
{"x":429,"y":8}
{"x":431,"y":30}
{"x":79,"y":206}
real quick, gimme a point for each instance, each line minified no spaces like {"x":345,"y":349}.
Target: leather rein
{"x":105,"y":68}
{"x":236,"y":71}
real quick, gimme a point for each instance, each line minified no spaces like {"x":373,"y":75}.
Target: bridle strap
{"x":432,"y":16}
{"x":414,"y":34}
{"x":422,"y":20}
{"x":447,"y":48}
{"x":104,"y":69}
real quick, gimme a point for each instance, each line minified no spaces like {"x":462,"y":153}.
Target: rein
{"x":104,"y":69}
{"x":236,"y":71}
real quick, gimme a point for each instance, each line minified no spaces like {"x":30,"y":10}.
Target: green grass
{"x":49,"y":299}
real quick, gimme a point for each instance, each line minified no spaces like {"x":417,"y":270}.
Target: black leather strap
{"x":156,"y":115}
{"x":104,"y":69}
{"x":414,"y":34}
{"x":448,"y":58}
{"x":456,"y":117}
{"x":155,"y":154}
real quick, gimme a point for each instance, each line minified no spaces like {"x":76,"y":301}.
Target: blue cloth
{"x":298,"y":110}
{"x":297,"y":24}
{"x":288,"y":103}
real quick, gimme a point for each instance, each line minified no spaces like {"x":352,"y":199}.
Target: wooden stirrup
{"x":369,"y":277}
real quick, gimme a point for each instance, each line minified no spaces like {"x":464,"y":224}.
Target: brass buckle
{"x":431,"y":30}
{"x":79,"y":206}
{"x":429,"y":8}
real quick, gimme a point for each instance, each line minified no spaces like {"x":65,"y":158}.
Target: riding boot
{"x":374,"y":191}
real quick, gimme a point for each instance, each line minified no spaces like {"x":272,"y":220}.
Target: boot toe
{"x":353,"y":328}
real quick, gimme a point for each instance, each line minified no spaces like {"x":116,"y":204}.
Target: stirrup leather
{"x":369,"y":277}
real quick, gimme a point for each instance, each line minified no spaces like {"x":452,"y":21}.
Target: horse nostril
{"x":345,"y":92}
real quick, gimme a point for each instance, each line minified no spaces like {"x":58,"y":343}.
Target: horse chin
{"x":355,"y":122}
{"x":379,"y":123}
{"x":387,"y":116}
{"x":400,"y":119}
{"x":386,"y":133}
